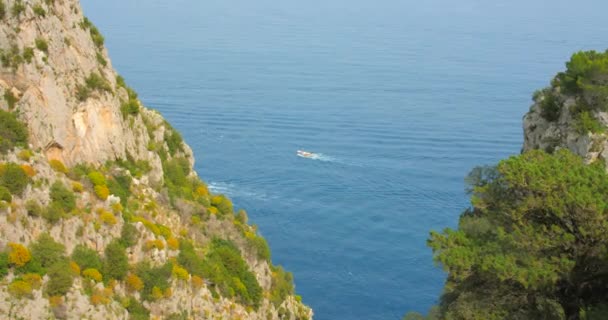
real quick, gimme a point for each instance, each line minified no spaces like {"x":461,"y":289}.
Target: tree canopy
{"x":534,"y":245}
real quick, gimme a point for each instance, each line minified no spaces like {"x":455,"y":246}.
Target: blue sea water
{"x":402,"y":98}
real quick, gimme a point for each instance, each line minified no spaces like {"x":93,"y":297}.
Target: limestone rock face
{"x":539,"y":133}
{"x":63,"y":124}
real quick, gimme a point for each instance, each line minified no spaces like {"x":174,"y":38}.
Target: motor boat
{"x":306,"y":154}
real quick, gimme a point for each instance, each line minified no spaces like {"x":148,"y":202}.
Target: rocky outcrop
{"x":564,"y":131}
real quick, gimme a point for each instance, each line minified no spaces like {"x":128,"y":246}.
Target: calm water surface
{"x":401,"y":98}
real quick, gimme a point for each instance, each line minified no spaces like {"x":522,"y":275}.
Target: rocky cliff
{"x":101,"y":213}
{"x":571,"y":112}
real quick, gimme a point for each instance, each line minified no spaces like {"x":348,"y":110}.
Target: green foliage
{"x":42,"y":45}
{"x":97,"y":178}
{"x":3,"y":264}
{"x":537,"y":228}
{"x":28,"y":54}
{"x":47,"y":251}
{"x":93,"y":83}
{"x":137,"y":311}
{"x":12,"y":132}
{"x":63,"y":196}
{"x":128,"y":235}
{"x":17,"y":9}
{"x":174,"y":140}
{"x":260,"y":246}
{"x":130,"y":108}
{"x":223,"y":205}
{"x":13,"y":178}
{"x":282,"y":285}
{"x":53,"y":213}
{"x":586,"y":77}
{"x":60,"y":279}
{"x":225,"y":267}
{"x":2,"y":10}
{"x":58,"y":166}
{"x":10,"y":98}
{"x":585,"y":122}
{"x":96,"y":36}
{"x":137,"y":168}
{"x":86,"y":258}
{"x":5,"y":194}
{"x":39,"y":10}
{"x":116,"y":262}
{"x":550,"y":105}
{"x":101,"y":60}
{"x":153,"y":277}
{"x":120,"y":186}
{"x":33,"y":208}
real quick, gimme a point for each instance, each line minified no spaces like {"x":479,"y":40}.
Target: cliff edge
{"x":101,"y":213}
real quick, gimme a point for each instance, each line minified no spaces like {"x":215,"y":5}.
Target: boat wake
{"x":316,"y":156}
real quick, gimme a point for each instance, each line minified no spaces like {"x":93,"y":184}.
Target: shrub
{"x":5,"y":194}
{"x":63,"y":196}
{"x":35,"y":280}
{"x":116,"y":262}
{"x":197,"y":282}
{"x":107,"y":218}
{"x":20,"y":289}
{"x":53,"y":213}
{"x":120,"y":186}
{"x":173,"y":139}
{"x":585,"y":122}
{"x":58,"y":166}
{"x":28,"y":54}
{"x":173,"y":243}
{"x":154,"y":244}
{"x":77,"y":187}
{"x":130,"y":108}
{"x":102,"y":192}
{"x":75,"y":268}
{"x":33,"y":208}
{"x":180,"y":273}
{"x":47,"y":251}
{"x":42,"y":45}
{"x":92,"y":274}
{"x":86,"y":258}
{"x":39,"y":11}
{"x":2,"y":10}
{"x":95,"y":82}
{"x":12,"y":132}
{"x":13,"y":178}
{"x":18,"y":8}
{"x":18,"y":254}
{"x":155,"y":279}
{"x":282,"y":285}
{"x":97,"y":178}
{"x":28,"y":170}
{"x":25,"y":155}
{"x":134,"y":283}
{"x":223,"y":204}
{"x":60,"y":279}
{"x":260,"y":246}
{"x":10,"y":98}
{"x":4,"y":264}
{"x":137,"y":311}
{"x":101,"y":60}
{"x":128,"y":235}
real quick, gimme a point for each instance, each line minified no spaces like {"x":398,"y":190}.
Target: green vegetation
{"x":28,"y":54}
{"x":96,"y":36}
{"x":533,"y":246}
{"x":13,"y":178}
{"x":17,"y":9}
{"x":2,"y":10}
{"x":13,"y":133}
{"x":63,"y":196}
{"x":586,"y":80}
{"x":128,"y":235}
{"x":101,"y":60}
{"x":173,"y":139}
{"x":224,"y":266}
{"x":5,"y":194}
{"x":119,"y":186}
{"x":115,"y":263}
{"x":42,"y":45}
{"x":282,"y":285}
{"x":86,"y":258}
{"x":93,"y":83}
{"x":10,"y":98}
{"x":153,"y":277}
{"x":39,"y":11}
{"x":60,"y":279}
{"x":47,"y":251}
{"x":137,"y":311}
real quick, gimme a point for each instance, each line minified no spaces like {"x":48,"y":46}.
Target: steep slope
{"x":101,"y":213}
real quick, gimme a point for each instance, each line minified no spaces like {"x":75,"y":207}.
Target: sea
{"x":399,"y":99}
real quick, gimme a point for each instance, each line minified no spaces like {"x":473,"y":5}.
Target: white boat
{"x":306,"y":154}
